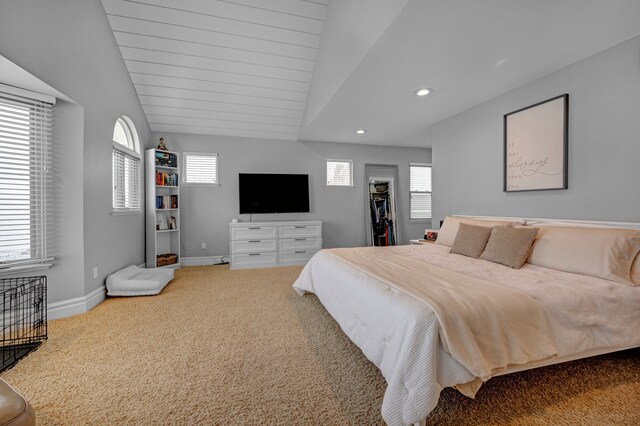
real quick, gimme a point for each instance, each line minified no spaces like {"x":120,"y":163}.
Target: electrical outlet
{"x":95,"y":272}
{"x":204,"y":246}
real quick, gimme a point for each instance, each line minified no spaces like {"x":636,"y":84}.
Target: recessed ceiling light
{"x":361,"y":131}
{"x":422,"y":92}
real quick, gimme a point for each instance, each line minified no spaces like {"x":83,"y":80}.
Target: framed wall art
{"x":536,"y":146}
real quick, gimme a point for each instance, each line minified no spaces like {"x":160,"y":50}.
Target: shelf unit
{"x":163,"y":241}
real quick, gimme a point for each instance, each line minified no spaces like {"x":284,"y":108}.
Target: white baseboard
{"x":78,"y":305}
{"x":142,"y":265}
{"x":200,"y":261}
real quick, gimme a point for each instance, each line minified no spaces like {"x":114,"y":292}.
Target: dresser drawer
{"x":254,"y":260}
{"x":299,"y":231}
{"x":253,"y":246}
{"x":298,"y":257}
{"x":292,"y":244}
{"x":253,"y":232}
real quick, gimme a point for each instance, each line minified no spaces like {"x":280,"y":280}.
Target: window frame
{"x":40,"y":178}
{"x":420,"y":219}
{"x":202,"y":154}
{"x":133,"y":140}
{"x":338,"y":160}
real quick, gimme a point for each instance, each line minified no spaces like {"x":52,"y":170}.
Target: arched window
{"x":126,"y":167}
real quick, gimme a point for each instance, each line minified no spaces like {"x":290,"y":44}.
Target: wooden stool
{"x":15,"y":410}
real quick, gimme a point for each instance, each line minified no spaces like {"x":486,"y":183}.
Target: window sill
{"x":340,"y":186}
{"x":126,"y":212}
{"x":10,"y":270}
{"x":420,"y":220}
{"x":200,"y":184}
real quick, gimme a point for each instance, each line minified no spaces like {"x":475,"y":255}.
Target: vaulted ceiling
{"x":224,"y":67}
{"x":257,"y":68}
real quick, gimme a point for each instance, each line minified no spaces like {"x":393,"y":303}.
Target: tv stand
{"x":267,"y":244}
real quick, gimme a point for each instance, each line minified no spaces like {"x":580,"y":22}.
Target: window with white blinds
{"x":200,"y":168}
{"x":339,"y":172}
{"x":25,"y":183}
{"x":125,"y":167}
{"x":126,"y":181}
{"x":420,"y":188}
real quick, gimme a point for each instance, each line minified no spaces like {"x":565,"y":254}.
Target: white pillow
{"x":449,"y":228}
{"x":600,"y":252}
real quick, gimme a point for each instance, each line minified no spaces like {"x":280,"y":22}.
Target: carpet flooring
{"x":240,"y":347}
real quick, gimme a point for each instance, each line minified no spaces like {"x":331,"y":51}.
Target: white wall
{"x":69,"y":45}
{"x":207,"y":210}
{"x":604,"y":146}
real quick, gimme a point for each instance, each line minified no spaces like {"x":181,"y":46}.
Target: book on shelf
{"x":166,"y":179}
{"x":166,"y":201}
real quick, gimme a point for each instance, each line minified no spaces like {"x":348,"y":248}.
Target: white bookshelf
{"x":163,"y":240}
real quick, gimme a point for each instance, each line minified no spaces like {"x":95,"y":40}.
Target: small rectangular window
{"x":420,"y":188}
{"x":339,"y":172}
{"x":200,"y":168}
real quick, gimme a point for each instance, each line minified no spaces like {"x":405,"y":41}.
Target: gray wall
{"x":351,"y":29}
{"x":207,"y":210}
{"x":604,"y":146}
{"x":66,"y":278}
{"x":69,"y":45}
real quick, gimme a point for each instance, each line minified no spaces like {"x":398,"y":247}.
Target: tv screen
{"x":273,"y":193}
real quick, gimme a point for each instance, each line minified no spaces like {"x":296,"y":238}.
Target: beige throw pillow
{"x":600,"y":252}
{"x":509,"y":246}
{"x":470,"y":240}
{"x":449,"y":228}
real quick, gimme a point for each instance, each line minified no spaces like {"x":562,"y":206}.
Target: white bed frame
{"x":533,"y":221}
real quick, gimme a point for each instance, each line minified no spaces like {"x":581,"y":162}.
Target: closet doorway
{"x":381,"y":216}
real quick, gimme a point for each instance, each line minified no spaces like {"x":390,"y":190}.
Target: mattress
{"x":400,"y":334}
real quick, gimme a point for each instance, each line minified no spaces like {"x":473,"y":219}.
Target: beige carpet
{"x":240,"y":347}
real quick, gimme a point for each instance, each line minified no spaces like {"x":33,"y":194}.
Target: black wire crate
{"x":24,"y":317}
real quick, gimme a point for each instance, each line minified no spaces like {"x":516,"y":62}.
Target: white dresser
{"x":266,"y":244}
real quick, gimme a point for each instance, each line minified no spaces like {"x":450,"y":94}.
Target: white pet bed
{"x":134,"y":281}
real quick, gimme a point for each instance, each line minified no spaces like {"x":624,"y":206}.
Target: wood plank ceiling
{"x":220,"y":67}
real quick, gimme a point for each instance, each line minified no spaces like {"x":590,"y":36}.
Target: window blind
{"x":339,"y":173}
{"x":420,"y":188}
{"x":126,"y":181}
{"x":25,"y":182}
{"x":200,"y":168}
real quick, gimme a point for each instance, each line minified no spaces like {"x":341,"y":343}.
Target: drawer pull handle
{"x":254,"y":227}
{"x":300,"y":239}
{"x":300,"y":251}
{"x":254,"y":241}
{"x":299,"y":227}
{"x":254,"y":254}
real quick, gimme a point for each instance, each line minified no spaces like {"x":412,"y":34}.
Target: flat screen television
{"x":273,"y":193}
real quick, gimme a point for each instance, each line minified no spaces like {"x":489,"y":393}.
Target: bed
{"x":396,"y":330}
